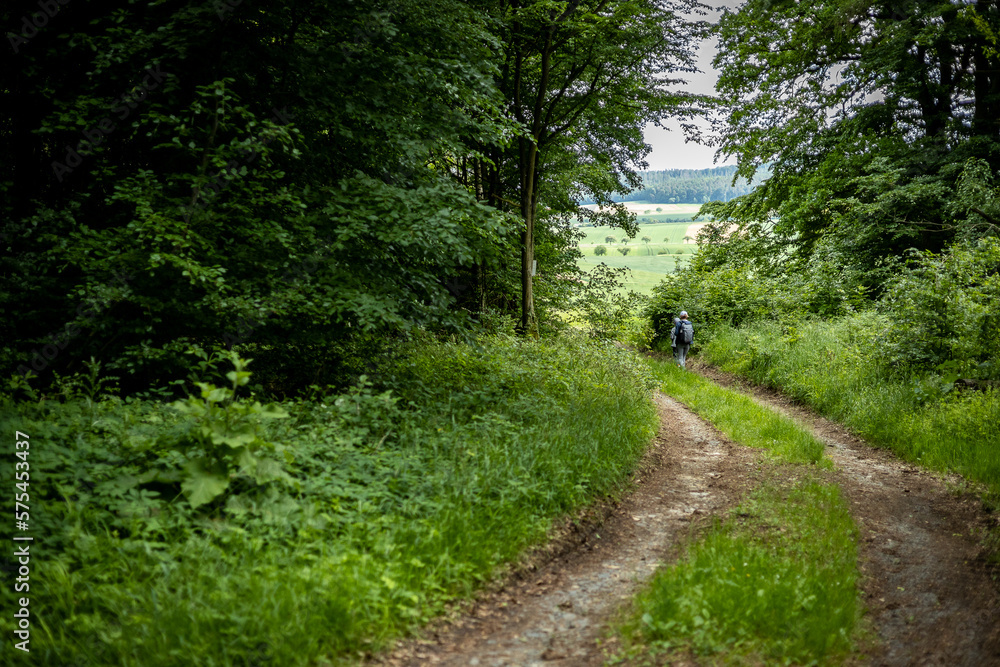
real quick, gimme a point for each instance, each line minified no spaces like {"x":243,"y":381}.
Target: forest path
{"x":929,"y":594}
{"x":555,"y":613}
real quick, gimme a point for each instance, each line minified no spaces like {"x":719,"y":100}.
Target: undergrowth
{"x":226,"y":532}
{"x":840,"y":368}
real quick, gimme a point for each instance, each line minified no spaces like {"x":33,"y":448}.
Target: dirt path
{"x":930,"y":596}
{"x":555,"y":615}
{"x":932,"y":599}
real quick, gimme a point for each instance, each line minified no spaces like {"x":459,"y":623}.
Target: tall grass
{"x":839,"y":368}
{"x":384,"y":507}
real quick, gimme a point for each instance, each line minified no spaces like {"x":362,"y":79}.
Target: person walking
{"x":673,"y":337}
{"x":683,"y":335}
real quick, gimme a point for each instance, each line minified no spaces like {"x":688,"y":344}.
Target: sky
{"x":669,"y":148}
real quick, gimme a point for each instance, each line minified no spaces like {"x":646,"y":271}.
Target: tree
{"x":646,"y":240}
{"x":610,"y":239}
{"x":248,"y":174}
{"x":624,"y":251}
{"x":582,"y":78}
{"x":600,"y":251}
{"x":868,"y":115}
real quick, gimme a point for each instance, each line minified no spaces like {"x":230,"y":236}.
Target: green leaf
{"x":202,"y":485}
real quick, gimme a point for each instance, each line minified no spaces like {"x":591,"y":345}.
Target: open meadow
{"x":671,"y":245}
{"x":649,"y":212}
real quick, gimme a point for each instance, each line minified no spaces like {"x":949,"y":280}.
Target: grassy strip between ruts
{"x":740,"y":417}
{"x":775,"y":582}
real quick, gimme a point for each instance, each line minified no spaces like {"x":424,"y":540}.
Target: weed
{"x":307,"y":531}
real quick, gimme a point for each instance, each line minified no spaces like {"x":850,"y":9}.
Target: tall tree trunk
{"x":527,"y":167}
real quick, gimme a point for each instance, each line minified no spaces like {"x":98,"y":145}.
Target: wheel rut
{"x":556,"y":614}
{"x":932,"y":598}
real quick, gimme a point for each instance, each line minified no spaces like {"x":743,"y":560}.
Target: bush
{"x":601,"y":304}
{"x":945,"y":309}
{"x":203,"y":527}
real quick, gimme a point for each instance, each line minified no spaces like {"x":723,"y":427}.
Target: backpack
{"x":686,"y":333}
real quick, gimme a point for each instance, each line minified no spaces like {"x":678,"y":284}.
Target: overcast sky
{"x":669,"y":149}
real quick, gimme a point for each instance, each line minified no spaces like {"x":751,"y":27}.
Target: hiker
{"x":673,"y":336}
{"x":682,"y":336}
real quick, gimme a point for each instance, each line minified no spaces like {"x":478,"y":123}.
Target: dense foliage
{"x":880,"y":123}
{"x":186,"y":171}
{"x":303,"y":173}
{"x":303,"y":532}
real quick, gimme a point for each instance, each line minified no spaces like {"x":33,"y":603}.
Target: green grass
{"x":837,"y":367}
{"x":775,"y":583}
{"x":647,"y":270}
{"x":674,"y":231}
{"x":739,"y":416}
{"x":376,"y":509}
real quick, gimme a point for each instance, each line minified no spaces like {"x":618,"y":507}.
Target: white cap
{"x":684,"y":313}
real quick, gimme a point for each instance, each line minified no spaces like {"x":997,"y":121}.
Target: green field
{"x":647,"y":263}
{"x":658,"y":232}
{"x":659,"y":213}
{"x":647,"y":270}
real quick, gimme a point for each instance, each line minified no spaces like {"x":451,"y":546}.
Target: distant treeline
{"x":693,"y":186}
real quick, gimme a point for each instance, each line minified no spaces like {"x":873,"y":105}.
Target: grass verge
{"x":838,"y":368}
{"x":312,"y":532}
{"x":776,"y":582}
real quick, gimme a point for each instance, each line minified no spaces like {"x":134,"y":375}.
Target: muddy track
{"x":932,"y":598}
{"x":556,"y":614}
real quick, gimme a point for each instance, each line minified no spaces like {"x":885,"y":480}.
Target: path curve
{"x":556,"y":615}
{"x":931,"y":596}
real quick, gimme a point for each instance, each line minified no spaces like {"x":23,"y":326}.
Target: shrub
{"x":202,"y":528}
{"x":946,"y":309}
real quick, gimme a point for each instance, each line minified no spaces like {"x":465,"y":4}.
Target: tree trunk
{"x":527,"y":167}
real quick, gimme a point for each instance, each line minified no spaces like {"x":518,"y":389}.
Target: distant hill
{"x":692,"y":186}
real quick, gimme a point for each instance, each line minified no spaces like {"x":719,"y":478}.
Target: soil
{"x":931,"y":597}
